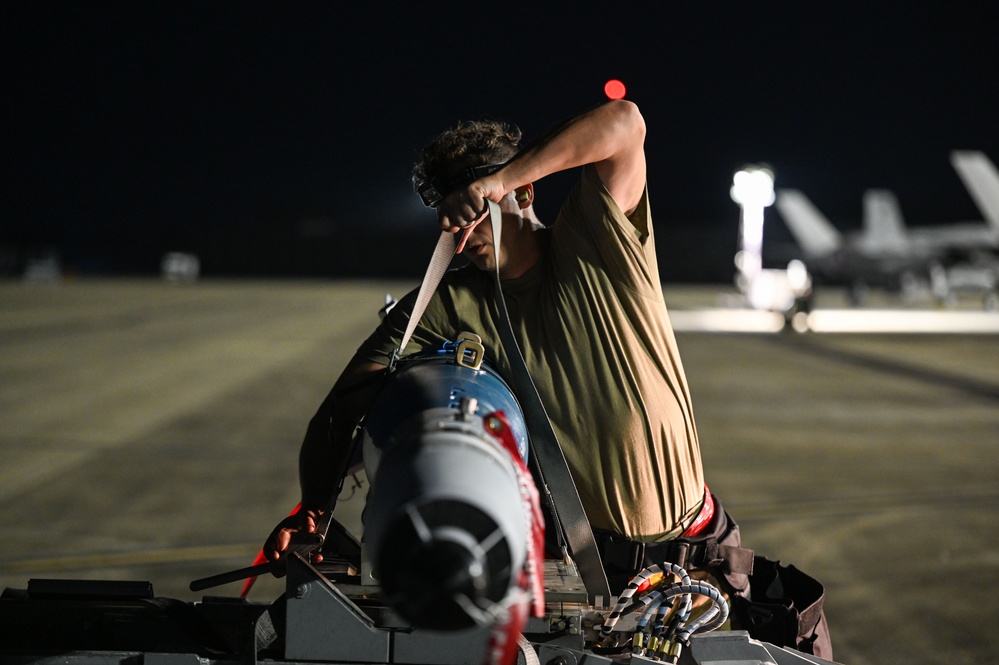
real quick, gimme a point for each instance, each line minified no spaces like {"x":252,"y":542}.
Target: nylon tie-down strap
{"x":439,"y":262}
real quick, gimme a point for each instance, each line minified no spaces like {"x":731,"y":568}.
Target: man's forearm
{"x":322,"y":462}
{"x":328,"y":444}
{"x":613,"y":132}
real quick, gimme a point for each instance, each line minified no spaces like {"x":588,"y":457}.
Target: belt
{"x":631,"y":556}
{"x":704,"y":517}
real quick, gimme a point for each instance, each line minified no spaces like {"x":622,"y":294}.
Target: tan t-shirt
{"x":592,"y":324}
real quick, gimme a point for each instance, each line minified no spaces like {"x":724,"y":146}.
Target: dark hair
{"x":470,"y":143}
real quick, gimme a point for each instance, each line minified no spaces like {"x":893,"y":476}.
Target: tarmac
{"x":150,"y":432}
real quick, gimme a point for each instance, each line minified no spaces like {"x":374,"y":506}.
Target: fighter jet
{"x":887,"y":254}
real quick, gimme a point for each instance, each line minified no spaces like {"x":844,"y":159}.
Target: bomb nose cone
{"x":449,"y":567}
{"x":436,"y":575}
{"x":445,"y":578}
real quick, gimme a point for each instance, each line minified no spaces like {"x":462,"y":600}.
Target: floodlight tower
{"x":753,"y":190}
{"x":787,"y":292}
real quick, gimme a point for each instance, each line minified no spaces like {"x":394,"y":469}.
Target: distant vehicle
{"x":888,"y":255}
{"x":180,"y":267}
{"x":43,"y":267}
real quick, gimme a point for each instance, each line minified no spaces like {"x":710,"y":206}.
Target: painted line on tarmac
{"x":128,"y":559}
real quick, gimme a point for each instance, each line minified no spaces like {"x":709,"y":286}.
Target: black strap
{"x":633,"y":555}
{"x":557,"y":484}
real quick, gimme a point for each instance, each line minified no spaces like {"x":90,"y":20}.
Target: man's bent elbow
{"x":629,"y":120}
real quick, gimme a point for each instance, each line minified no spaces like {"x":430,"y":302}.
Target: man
{"x":587,"y":309}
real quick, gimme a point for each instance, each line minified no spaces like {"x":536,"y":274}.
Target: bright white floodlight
{"x":753,"y":186}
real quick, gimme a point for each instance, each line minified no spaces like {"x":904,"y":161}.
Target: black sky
{"x":277,"y":137}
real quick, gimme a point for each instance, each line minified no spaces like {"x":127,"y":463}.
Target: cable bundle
{"x":664,"y":626}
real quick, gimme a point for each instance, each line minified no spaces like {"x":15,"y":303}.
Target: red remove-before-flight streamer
{"x":614,"y":89}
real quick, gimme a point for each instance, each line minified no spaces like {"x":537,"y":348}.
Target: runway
{"x":150,"y":432}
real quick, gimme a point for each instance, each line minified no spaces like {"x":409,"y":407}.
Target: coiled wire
{"x":663,"y":626}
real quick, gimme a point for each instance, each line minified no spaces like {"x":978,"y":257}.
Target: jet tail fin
{"x":811,"y":229}
{"x":884,"y":227}
{"x":980,"y":177}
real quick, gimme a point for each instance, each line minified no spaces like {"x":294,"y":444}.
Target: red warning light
{"x":614,"y":89}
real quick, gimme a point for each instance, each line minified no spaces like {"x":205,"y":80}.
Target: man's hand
{"x":467,"y":206}
{"x":277,"y":544}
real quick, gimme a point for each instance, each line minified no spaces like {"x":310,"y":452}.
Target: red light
{"x":614,"y":89}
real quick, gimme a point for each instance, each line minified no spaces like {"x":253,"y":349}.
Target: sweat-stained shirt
{"x":592,"y":324}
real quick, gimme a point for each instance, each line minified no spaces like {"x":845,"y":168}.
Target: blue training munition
{"x":444,"y":522}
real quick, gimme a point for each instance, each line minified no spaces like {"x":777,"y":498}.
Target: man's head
{"x":444,"y":163}
{"x":471,"y":151}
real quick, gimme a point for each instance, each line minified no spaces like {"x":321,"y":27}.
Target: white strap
{"x":439,"y":262}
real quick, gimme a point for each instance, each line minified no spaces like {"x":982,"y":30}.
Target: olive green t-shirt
{"x":592,"y":324}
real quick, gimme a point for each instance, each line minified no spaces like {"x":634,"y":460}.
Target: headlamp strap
{"x":439,"y":187}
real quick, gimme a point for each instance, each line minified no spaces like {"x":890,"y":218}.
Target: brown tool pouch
{"x":785,"y":607}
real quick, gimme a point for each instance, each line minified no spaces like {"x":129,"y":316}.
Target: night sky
{"x":277,"y":138}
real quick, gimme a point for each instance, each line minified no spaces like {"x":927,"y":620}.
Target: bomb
{"x":446,"y":524}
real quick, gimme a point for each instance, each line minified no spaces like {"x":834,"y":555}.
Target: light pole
{"x":753,"y":190}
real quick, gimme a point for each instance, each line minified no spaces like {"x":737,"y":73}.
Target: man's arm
{"x":611,"y":137}
{"x":326,"y":450}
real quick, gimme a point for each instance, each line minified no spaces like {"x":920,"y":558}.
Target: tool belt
{"x":701,"y":546}
{"x":774,"y":603}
